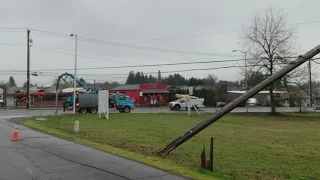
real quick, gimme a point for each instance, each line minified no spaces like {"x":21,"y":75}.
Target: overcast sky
{"x":208,"y":26}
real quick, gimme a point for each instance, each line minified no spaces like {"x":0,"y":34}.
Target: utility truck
{"x":182,"y":102}
{"x":89,"y":102}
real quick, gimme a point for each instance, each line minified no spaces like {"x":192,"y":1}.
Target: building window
{"x":145,"y":99}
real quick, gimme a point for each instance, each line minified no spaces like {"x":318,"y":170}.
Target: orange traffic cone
{"x":15,"y":136}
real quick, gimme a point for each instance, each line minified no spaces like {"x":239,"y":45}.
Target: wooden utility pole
{"x":310,"y":84}
{"x":28,"y":70}
{"x":233,"y":104}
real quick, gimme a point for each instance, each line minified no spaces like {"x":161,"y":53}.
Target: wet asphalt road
{"x":38,"y":156}
{"x":24,"y":112}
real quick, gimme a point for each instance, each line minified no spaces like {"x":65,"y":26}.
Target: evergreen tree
{"x":82,"y":81}
{"x":146,"y":78}
{"x":143,"y":80}
{"x":138,"y":78}
{"x":131,"y":78}
{"x":12,"y":82}
{"x":159,"y":76}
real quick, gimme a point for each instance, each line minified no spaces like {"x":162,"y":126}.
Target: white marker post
{"x":76,"y":126}
{"x":103,"y":103}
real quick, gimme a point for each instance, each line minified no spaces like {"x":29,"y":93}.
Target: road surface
{"x":38,"y":156}
{"x":45,"y":111}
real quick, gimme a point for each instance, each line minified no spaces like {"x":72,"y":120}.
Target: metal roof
{"x":261,"y":92}
{"x":127,"y":87}
{"x":155,"y":91}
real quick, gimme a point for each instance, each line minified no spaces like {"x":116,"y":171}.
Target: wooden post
{"x":211,"y":155}
{"x":203,"y":158}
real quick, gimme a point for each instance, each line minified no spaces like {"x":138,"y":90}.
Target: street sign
{"x":41,"y":93}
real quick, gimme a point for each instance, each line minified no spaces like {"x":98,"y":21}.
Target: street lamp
{"x":246,"y":74}
{"x":75,"y":73}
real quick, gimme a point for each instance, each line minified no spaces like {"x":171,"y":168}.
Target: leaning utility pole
{"x":233,"y":104}
{"x":28,"y":69}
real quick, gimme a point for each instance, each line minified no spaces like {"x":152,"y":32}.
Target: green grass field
{"x":246,"y":146}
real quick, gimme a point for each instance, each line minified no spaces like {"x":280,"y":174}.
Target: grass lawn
{"x":246,"y":146}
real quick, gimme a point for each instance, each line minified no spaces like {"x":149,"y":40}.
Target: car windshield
{"x":180,"y":100}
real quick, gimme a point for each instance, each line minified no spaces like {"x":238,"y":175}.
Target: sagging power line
{"x":166,"y":72}
{"x":150,"y":65}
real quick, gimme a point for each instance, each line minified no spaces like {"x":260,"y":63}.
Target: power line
{"x":163,"y":72}
{"x":90,"y":57}
{"x":13,"y":28}
{"x":91,"y":40}
{"x":315,"y":61}
{"x":47,"y":75}
{"x":222,"y":32}
{"x":154,"y":48}
{"x":153,"y":65}
{"x":145,"y":65}
{"x":184,"y":70}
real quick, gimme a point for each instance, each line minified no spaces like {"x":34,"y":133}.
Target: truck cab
{"x":121,"y":102}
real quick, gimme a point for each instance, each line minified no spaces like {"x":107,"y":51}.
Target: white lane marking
{"x":29,"y":170}
{"x":9,"y":152}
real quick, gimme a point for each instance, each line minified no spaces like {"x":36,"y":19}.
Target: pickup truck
{"x":182,"y":102}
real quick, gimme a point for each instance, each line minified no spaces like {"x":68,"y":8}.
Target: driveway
{"x":38,"y":156}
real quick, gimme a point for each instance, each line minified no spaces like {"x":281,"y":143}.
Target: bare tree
{"x":298,"y":95}
{"x":63,"y":84}
{"x":211,"y":80}
{"x":269,"y":40}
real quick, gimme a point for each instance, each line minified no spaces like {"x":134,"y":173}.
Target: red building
{"x":49,"y":100}
{"x":144,"y":94}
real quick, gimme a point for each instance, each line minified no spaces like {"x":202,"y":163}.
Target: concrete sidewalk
{"x":41,"y":156}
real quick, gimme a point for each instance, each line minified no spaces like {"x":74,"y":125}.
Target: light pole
{"x":246,"y":74}
{"x":75,"y":73}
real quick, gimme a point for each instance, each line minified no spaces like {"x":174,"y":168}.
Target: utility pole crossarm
{"x":233,"y":104}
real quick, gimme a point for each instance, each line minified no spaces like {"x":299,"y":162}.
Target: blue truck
{"x":87,"y":102}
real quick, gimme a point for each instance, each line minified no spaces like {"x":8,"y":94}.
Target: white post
{"x":103,"y":103}
{"x":76,"y":126}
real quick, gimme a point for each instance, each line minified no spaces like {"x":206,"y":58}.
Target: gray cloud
{"x":162,"y":24}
